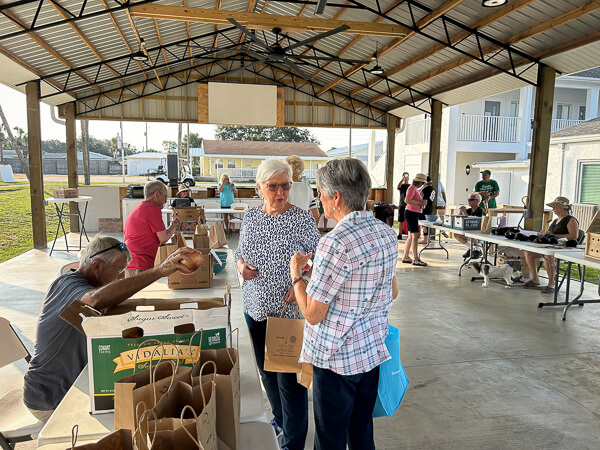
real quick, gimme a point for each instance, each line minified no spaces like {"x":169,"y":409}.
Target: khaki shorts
{"x":41,"y":415}
{"x":132,"y":272}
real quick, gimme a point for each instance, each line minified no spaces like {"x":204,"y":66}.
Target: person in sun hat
{"x":564,"y":226}
{"x":184,"y":192}
{"x":488,"y":189}
{"x":414,"y":208}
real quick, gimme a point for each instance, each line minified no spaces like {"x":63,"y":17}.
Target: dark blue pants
{"x":288,"y":398}
{"x":343,"y":407}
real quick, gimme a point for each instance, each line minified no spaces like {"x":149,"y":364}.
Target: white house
{"x":142,"y":163}
{"x":491,"y":132}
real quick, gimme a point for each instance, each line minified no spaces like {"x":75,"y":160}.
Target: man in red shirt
{"x":144,"y":229}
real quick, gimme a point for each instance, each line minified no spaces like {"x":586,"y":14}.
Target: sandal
{"x":407,"y":260}
{"x":547,"y":290}
{"x":530,"y":284}
{"x":418,"y":262}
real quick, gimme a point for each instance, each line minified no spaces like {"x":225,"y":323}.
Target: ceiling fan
{"x":277,"y":54}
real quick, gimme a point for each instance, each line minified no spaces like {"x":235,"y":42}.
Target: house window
{"x":563,"y":111}
{"x":247,"y":163}
{"x":219,"y":163}
{"x":514,"y":109}
{"x":590,"y":183}
{"x":581,"y":115}
{"x":231,"y":163}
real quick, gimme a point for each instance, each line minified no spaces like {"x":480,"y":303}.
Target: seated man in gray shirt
{"x":60,"y":352}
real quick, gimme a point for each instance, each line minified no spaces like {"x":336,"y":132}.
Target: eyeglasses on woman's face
{"x":274,"y":187}
{"x":473,"y":200}
{"x":121,"y":246}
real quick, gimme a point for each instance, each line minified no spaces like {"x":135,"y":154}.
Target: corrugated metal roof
{"x":447,"y":75}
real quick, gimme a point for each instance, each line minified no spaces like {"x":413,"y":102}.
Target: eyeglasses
{"x":121,"y":246}
{"x":274,"y":187}
{"x":473,"y":200}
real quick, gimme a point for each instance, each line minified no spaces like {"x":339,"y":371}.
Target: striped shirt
{"x":353,"y":269}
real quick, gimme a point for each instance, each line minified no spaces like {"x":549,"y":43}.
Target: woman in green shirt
{"x":564,"y":226}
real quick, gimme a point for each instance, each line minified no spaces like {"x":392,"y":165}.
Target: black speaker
{"x":172,"y":169}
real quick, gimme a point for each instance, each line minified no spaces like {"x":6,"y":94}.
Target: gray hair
{"x":476,"y":195}
{"x":99,"y":243}
{"x":153,"y":186}
{"x":270,"y":168}
{"x":350,"y":177}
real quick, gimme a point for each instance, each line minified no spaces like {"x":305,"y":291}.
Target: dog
{"x":487,"y":271}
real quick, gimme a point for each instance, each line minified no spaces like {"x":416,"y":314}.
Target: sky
{"x":15,"y":109}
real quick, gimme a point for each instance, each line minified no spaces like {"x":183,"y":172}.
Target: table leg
{"x":468,"y":260}
{"x":581,"y":287}
{"x":58,"y":213}
{"x":62,"y":225}
{"x":431,"y":243}
{"x":82,"y":224}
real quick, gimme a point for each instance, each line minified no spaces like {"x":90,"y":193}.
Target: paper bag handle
{"x":200,"y":376}
{"x":201,"y":331}
{"x":74,"y":433}
{"x":237,"y":345}
{"x":145,"y":416}
{"x":196,"y":441}
{"x":285,"y":306}
{"x":138,"y":352}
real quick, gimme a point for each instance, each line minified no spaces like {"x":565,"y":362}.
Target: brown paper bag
{"x":217,"y":236}
{"x":227,"y":380}
{"x":486,"y":224}
{"x":119,"y":440}
{"x":201,"y":230}
{"x":305,"y":377}
{"x":174,"y":404}
{"x":145,"y":387}
{"x":284,"y":343}
{"x":167,"y":434}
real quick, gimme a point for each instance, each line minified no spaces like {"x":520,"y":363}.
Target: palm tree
{"x":22,"y":140}
{"x":15,"y":145}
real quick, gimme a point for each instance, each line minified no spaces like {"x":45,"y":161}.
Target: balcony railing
{"x":239,"y":174}
{"x":488,"y":128}
{"x":417,"y":131}
{"x":559,"y":124}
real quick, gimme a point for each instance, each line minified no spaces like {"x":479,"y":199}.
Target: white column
{"x":526,"y":114}
{"x":591,"y":103}
{"x":371,"y":149}
{"x":451,"y":155}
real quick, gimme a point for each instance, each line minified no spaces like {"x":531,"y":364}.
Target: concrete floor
{"x":487,"y":368}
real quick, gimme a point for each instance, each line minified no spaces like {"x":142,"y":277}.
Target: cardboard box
{"x":113,"y":338}
{"x":65,"y":193}
{"x":246,"y":192}
{"x":449,"y":220}
{"x":592,"y":245}
{"x":201,"y":278}
{"x":199,"y":193}
{"x":189,"y":216}
{"x":466,"y":223}
{"x":512,"y":255}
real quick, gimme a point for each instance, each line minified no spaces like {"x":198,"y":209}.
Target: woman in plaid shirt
{"x":346,"y":303}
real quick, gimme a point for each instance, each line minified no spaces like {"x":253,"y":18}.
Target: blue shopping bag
{"x":393,"y":381}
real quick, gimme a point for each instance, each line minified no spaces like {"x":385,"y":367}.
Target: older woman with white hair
{"x":301,"y":194}
{"x":270,"y":235}
{"x":346,"y":304}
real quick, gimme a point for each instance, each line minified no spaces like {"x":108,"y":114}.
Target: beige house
{"x":240,"y":159}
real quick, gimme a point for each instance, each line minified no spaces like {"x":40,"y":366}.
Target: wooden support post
{"x":540,"y":144}
{"x":72,"y":177}
{"x":36,"y":175}
{"x":435,"y":143}
{"x":392,"y":125}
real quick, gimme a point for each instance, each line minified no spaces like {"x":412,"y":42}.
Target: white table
{"x":546,"y":250}
{"x":60,"y":212}
{"x":431,"y":243}
{"x":74,"y":408}
{"x":583,"y":261}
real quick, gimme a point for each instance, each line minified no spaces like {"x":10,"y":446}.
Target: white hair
{"x":153,"y":186}
{"x":270,"y":168}
{"x":476,"y":195}
{"x":99,"y":243}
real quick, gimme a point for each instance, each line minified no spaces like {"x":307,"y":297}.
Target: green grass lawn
{"x":16,"y":235}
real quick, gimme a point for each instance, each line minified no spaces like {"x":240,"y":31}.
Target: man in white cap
{"x":488,"y":189}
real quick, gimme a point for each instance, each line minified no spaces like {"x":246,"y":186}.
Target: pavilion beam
{"x":435,"y":145}
{"x":264,"y":21}
{"x":540,"y":147}
{"x":392,"y":125}
{"x":36,"y":175}
{"x":72,"y":175}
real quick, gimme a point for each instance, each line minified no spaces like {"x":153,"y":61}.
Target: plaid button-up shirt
{"x":353,"y":269}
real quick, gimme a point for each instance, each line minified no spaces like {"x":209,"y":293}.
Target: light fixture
{"x":468,"y":169}
{"x":140,"y":55}
{"x":377,"y":70}
{"x":493,"y":3}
